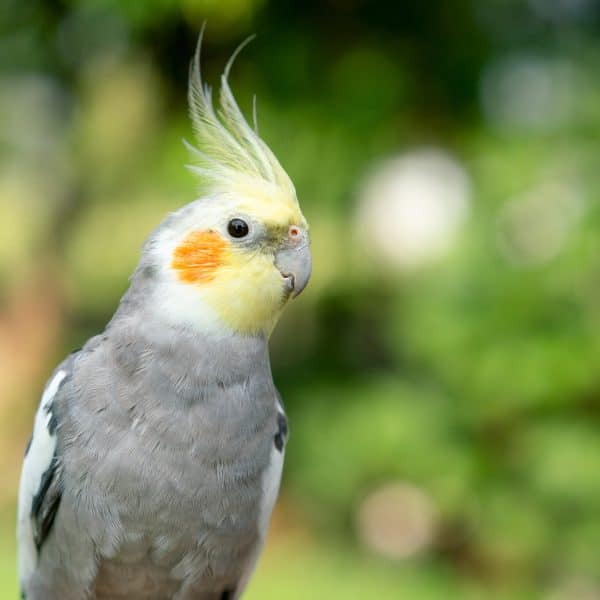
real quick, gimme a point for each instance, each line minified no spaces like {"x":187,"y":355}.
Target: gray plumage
{"x":157,"y":449}
{"x":163,"y":438}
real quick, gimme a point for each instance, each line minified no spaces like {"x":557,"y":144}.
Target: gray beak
{"x":295,"y":263}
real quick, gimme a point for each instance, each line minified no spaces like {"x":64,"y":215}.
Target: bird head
{"x":232,"y":258}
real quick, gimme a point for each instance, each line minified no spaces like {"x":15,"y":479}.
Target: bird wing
{"x":40,"y":487}
{"x":270,"y":489}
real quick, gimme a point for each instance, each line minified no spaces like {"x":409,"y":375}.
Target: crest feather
{"x":229,"y":153}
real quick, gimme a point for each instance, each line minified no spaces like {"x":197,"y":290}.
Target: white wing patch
{"x":270,"y":487}
{"x":37,"y":460}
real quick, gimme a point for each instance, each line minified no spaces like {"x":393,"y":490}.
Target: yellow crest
{"x":230,"y":156}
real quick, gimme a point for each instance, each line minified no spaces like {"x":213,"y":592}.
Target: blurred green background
{"x":441,"y":372}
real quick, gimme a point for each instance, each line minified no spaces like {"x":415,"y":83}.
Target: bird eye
{"x":237,"y":228}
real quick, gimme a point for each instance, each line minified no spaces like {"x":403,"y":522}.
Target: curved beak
{"x":295,"y":265}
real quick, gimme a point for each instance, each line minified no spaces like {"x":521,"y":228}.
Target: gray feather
{"x":163,"y":437}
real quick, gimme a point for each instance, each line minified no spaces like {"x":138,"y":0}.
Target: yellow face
{"x":236,"y":274}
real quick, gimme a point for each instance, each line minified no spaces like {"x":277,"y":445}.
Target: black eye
{"x":237,"y":228}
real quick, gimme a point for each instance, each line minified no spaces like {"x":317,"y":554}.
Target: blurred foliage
{"x":472,"y":376}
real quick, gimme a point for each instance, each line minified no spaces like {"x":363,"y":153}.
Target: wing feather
{"x":40,"y":486}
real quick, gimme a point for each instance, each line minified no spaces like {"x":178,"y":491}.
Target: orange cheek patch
{"x":199,"y":256}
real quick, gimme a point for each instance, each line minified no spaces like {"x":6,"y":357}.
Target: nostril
{"x":294,"y":231}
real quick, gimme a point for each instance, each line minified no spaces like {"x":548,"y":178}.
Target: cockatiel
{"x":158,"y":447}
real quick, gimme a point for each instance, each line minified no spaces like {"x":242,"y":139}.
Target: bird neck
{"x":212,"y":356}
